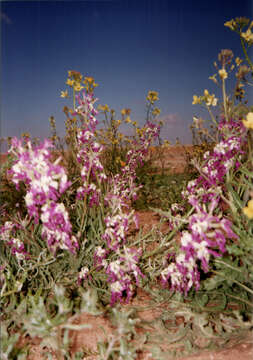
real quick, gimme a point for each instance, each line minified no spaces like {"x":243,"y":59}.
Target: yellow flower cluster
{"x":248,"y":210}
{"x":248,"y":35}
{"x":74,"y":80}
{"x":166,"y":143}
{"x":223,"y":74}
{"x":238,"y":24}
{"x":90,"y":84}
{"x":125,"y":112}
{"x":248,"y":123}
{"x":231,"y":24}
{"x":209,"y":99}
{"x":26,"y":135}
{"x":156,"y":111}
{"x":213,"y":78}
{"x":152,"y":96}
{"x":64,"y":94}
{"x":140,"y":131}
{"x":238,"y":61}
{"x":196,"y":100}
{"x":104,"y":108}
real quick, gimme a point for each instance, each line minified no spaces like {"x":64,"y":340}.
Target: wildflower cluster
{"x":208,"y":229}
{"x":121,"y":190}
{"x":124,"y":189}
{"x":45,"y":182}
{"x":206,"y":236}
{"x":119,"y":274}
{"x":217,"y":164}
{"x":175,"y":217}
{"x":89,"y":151}
{"x":8,"y":234}
{"x":208,"y":99}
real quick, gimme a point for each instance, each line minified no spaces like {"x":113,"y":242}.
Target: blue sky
{"x":128,"y":46}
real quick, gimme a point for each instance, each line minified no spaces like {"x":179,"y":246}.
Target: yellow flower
{"x":78,"y":87}
{"x":64,"y":94}
{"x":231,"y":24}
{"x":26,"y":135}
{"x":248,"y":36}
{"x":209,"y":99}
{"x":128,"y":120}
{"x":104,"y":108}
{"x":248,"y":123}
{"x":121,"y":136}
{"x":70,"y":82}
{"x":196,"y":100}
{"x":90,"y":83}
{"x":213,"y":78}
{"x":248,"y":210}
{"x":223,"y":74}
{"x":152,"y":96}
{"x":238,"y":61}
{"x":212,"y":100}
{"x":166,"y":143}
{"x":118,"y":122}
{"x":197,"y":122}
{"x":88,"y":79}
{"x":125,"y":112}
{"x":156,"y":112}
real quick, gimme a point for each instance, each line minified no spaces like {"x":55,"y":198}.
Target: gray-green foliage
{"x":119,"y":345}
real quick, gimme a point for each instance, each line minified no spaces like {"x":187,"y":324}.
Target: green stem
{"x":148,"y":111}
{"x":74,"y":99}
{"x":224,"y":99}
{"x":240,"y":299}
{"x":170,"y":236}
{"x":228,"y":265}
{"x":211,"y":115}
{"x":245,"y":52}
{"x":9,"y":293}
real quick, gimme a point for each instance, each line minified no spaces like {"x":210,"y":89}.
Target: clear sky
{"x":128,"y":46}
